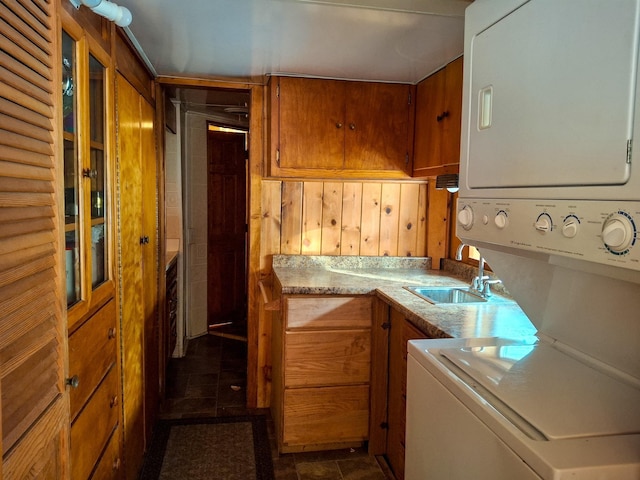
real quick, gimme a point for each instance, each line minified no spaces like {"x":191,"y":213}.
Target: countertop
{"x":499,"y":317}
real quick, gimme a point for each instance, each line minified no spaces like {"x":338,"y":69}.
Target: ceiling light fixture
{"x":121,"y":16}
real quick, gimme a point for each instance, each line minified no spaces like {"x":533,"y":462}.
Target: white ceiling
{"x":377,"y":40}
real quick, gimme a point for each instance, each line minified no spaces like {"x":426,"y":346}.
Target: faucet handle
{"x":486,"y":285}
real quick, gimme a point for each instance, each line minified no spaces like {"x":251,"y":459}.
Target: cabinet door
{"x":311,"y":123}
{"x":377,"y":126}
{"x":401,"y":332}
{"x":331,"y":414}
{"x":452,"y":124}
{"x":132,"y":298}
{"x":33,"y":405}
{"x":429,"y":108}
{"x":438,"y":122}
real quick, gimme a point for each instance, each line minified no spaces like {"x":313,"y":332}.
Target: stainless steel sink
{"x":439,"y":295}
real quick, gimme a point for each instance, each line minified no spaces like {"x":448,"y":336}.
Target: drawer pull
{"x":112,"y":333}
{"x":114,"y":401}
{"x":116,"y":464}
{"x":73,"y":382}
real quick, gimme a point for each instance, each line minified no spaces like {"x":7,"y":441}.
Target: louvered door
{"x":33,"y":400}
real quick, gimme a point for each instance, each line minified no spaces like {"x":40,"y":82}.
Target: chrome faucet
{"x":480,"y":283}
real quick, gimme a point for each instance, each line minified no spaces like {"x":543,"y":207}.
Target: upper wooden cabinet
{"x":335,"y":128}
{"x":86,"y":92}
{"x":438,"y":122}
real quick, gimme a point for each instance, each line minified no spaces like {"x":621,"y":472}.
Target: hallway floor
{"x":211,"y":381}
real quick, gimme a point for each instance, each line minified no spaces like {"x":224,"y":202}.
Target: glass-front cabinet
{"x":85,"y":90}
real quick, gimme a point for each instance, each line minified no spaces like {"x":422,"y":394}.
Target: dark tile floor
{"x":211,"y":380}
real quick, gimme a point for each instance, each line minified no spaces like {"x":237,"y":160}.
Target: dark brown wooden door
{"x":227,"y":229}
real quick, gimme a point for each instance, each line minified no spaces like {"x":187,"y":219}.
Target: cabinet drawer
{"x":328,"y":312}
{"x":327,"y":357}
{"x":325,"y":415}
{"x":110,"y":465}
{"x":92,"y":428}
{"x":92,"y":352}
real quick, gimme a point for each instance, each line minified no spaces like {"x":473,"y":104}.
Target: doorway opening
{"x":227,"y":230}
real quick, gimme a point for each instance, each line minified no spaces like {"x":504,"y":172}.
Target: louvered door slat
{"x":17,"y":155}
{"x":23,"y":71}
{"x":37,"y":12}
{"x":29,"y":144}
{"x":23,"y":85}
{"x":19,"y":47}
{"x":29,"y":29}
{"x":20,"y":113}
{"x":16,"y":170}
{"x":7,"y":91}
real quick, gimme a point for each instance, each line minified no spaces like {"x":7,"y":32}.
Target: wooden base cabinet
{"x":392,"y":331}
{"x":95,"y":396}
{"x":321,"y":372}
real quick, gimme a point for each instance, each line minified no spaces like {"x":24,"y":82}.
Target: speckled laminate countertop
{"x":499,"y":317}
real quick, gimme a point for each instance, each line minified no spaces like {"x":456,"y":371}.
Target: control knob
{"x":543,"y":223}
{"x":501,"y":220}
{"x":618,"y":232}
{"x":465,"y":217}
{"x":570,"y":226}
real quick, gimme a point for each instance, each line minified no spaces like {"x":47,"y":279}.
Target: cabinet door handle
{"x":114,"y":401}
{"x":73,"y":382}
{"x":111,"y":333}
{"x":338,"y":125}
{"x":116,"y":464}
{"x":442,"y":116}
{"x":352,"y":126}
{"x":144,"y":240}
{"x":89,"y":173}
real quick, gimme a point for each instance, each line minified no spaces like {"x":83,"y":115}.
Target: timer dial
{"x":465,"y":217}
{"x":618,"y":232}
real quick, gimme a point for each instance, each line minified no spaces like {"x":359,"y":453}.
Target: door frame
{"x":258,"y":351}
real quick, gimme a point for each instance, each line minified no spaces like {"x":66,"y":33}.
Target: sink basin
{"x":439,"y":295}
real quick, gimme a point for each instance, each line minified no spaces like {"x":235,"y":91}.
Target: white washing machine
{"x":492,"y":409}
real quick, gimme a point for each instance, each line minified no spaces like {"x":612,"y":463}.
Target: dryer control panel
{"x":596,"y":231}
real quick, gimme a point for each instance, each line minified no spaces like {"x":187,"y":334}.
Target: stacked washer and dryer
{"x":550,"y":195}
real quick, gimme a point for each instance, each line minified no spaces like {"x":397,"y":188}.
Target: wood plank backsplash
{"x":344,"y":218}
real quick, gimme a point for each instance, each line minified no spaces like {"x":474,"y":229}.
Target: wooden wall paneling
{"x":270,"y":222}
{"x":389,"y":218}
{"x":291,"y":242}
{"x":351,"y":216}
{"x":409,"y":217}
{"x":438,"y":224}
{"x":421,"y":227}
{"x":311,"y":218}
{"x":370,"y":219}
{"x":331,"y":218}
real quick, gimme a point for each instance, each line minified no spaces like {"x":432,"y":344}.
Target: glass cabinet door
{"x":98,"y":172}
{"x":71,"y":178}
{"x":86,"y":175}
